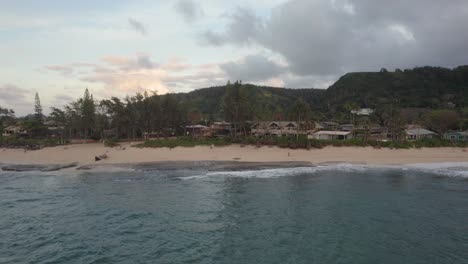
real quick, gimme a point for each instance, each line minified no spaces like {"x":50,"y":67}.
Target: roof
{"x":222,"y":123}
{"x":419,"y":131}
{"x":363,"y":111}
{"x":333,"y":133}
{"x":461,"y":133}
{"x":196,"y":126}
{"x":329,"y":123}
{"x":13,"y":127}
{"x":278,"y":123}
{"x":318,"y":125}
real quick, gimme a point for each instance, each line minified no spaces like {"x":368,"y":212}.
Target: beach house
{"x":457,"y":136}
{"x":419,"y":133}
{"x":197,"y":130}
{"x":331,"y":135}
{"x":14,"y":130}
{"x":277,"y":128}
{"x":220,"y":128}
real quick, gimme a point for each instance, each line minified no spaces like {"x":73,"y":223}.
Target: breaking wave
{"x":439,"y":169}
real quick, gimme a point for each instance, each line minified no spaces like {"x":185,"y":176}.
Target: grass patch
{"x":297,"y":142}
{"x":184,"y":142}
{"x":111,"y":143}
{"x":31,"y":143}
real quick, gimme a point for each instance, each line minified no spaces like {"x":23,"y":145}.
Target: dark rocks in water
{"x":37,"y":167}
{"x":60,"y":167}
{"x":20,"y":168}
{"x":85,"y":167}
{"x":217,"y":165}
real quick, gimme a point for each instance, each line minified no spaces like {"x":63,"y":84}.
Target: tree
{"x":237,"y":106}
{"x":443,"y":120}
{"x":35,"y":125}
{"x":88,"y":112}
{"x":6,"y":116}
{"x":194,"y":117}
{"x":116,"y":111}
{"x":174,"y":115}
{"x":351,"y":108}
{"x":301,"y":112}
{"x":38,"y":109}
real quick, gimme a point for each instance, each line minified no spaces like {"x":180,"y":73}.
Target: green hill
{"x":423,"y":87}
{"x":266,"y":100}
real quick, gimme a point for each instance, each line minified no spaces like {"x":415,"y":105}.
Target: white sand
{"x":84,"y":154}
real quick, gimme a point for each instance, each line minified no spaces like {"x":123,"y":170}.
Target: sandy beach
{"x":85,"y":153}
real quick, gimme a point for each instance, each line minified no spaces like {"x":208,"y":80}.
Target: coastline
{"x":84,"y":155}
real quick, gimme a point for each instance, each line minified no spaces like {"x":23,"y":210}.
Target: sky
{"x":59,"y":48}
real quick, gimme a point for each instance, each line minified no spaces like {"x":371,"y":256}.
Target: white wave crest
{"x":279,"y":172}
{"x":450,"y":169}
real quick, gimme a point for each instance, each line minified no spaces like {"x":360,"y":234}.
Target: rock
{"x":34,"y":167}
{"x":60,"y":167}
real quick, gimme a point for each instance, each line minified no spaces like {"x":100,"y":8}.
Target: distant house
{"x":318,"y":126}
{"x":329,"y":126}
{"x":54,"y":129}
{"x":347,"y":127}
{"x":456,"y":136}
{"x":363,"y":111}
{"x":331,"y":135}
{"x":275,"y":128}
{"x":197,"y":130}
{"x":419,"y":133}
{"x":221,"y":128}
{"x":14,"y":131}
{"x":371,"y":132}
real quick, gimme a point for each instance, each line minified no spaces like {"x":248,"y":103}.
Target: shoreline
{"x":84,"y":155}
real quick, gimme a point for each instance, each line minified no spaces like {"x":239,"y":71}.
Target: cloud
{"x":65,"y":70}
{"x":62,"y":99}
{"x":189,"y":10}
{"x":137,"y":26}
{"x":325,"y":38}
{"x":12,"y":96}
{"x":121,"y":75}
{"x":243,"y":27}
{"x":252,"y":68}
{"x":140,"y":61}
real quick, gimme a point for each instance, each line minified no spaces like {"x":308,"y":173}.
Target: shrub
{"x":111,"y":143}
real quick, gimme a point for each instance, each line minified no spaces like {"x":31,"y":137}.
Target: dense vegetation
{"x":300,"y":142}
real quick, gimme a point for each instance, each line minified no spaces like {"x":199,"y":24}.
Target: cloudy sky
{"x":119,"y":47}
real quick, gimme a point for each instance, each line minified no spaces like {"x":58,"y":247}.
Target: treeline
{"x":127,"y":118}
{"x":436,"y":98}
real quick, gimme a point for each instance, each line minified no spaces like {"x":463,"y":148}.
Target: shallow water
{"x":335,"y":214}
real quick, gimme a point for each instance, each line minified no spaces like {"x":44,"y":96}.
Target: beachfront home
{"x":371,"y":132}
{"x":329,"y":126}
{"x":331,"y":135}
{"x":277,"y":128}
{"x":347,"y":127}
{"x":13,"y":131}
{"x":55,"y":129}
{"x":419,"y":133}
{"x":197,"y":130}
{"x":363,"y":111}
{"x":456,"y":136}
{"x":221,"y":128}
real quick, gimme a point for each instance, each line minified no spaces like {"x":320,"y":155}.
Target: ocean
{"x":328,"y":214}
